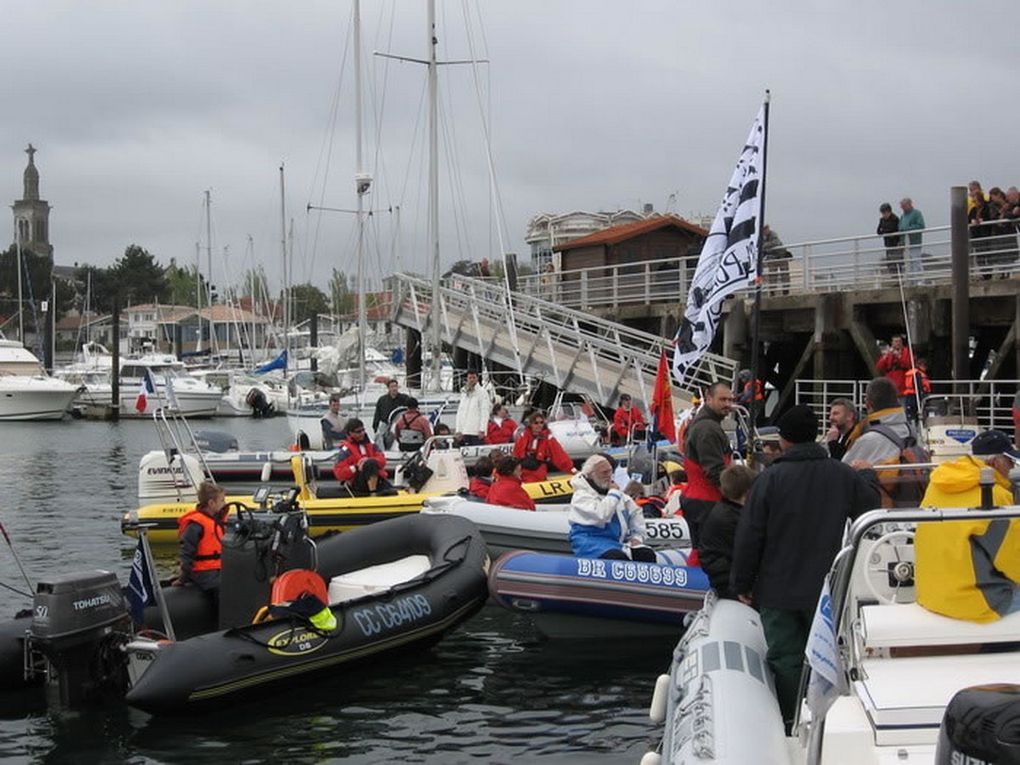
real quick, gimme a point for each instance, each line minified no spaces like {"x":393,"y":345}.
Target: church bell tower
{"x":32,"y":214}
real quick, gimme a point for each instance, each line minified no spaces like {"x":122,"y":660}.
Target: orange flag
{"x":662,"y":402}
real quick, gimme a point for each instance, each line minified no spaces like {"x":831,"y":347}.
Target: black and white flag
{"x":729,"y":259}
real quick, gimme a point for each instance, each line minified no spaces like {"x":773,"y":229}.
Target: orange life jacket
{"x":908,"y":382}
{"x":210,"y":545}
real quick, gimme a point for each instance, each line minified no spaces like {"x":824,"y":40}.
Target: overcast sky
{"x":137,"y":108}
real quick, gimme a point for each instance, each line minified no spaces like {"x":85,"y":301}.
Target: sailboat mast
{"x":361,"y":186}
{"x":286,"y":275}
{"x":433,"y":86}
{"x":198,"y":293}
{"x":21,"y":318}
{"x":208,"y":250}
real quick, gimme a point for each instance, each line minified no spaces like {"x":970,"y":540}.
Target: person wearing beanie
{"x":800,"y":505}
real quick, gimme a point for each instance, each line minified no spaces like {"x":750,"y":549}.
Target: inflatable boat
{"x":330,"y":510}
{"x":578,"y":598}
{"x":546,"y":529}
{"x":885,"y":679}
{"x":398,"y":584}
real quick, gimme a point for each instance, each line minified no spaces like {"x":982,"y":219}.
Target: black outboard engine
{"x":981,"y":725}
{"x":215,"y":441}
{"x":260,"y":405}
{"x":258,"y":546}
{"x":79,"y":623}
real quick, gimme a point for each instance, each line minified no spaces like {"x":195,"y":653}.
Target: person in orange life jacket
{"x":507,"y":490}
{"x":355,"y":451}
{"x":651,"y":505}
{"x":707,"y":452}
{"x":916,"y":385}
{"x":412,"y":419}
{"x":627,"y":420}
{"x":201,"y":539}
{"x":501,"y":428}
{"x":537,"y":450}
{"x":747,"y":391}
{"x":481,"y":478}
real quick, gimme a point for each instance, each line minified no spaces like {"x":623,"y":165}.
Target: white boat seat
{"x":905,"y":698}
{"x":909,"y":624}
{"x":366,"y":581}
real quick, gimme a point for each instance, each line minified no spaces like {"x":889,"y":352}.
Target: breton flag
{"x":729,"y":259}
{"x":146,"y":389}
{"x":140,"y":590}
{"x":827,"y":681}
{"x":661,"y":409}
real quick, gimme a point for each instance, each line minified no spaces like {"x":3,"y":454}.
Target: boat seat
{"x":366,"y":581}
{"x":909,"y":624}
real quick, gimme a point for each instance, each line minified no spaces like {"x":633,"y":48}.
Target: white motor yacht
{"x":26,"y":391}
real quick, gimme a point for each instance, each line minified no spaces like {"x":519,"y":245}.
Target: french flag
{"x":148,"y":388}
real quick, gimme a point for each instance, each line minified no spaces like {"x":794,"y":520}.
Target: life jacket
{"x":909,"y":382}
{"x":408,"y":435}
{"x":759,"y":390}
{"x":698,"y":485}
{"x":208,"y":556}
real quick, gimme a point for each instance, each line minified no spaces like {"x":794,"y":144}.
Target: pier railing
{"x":563,"y":346}
{"x":824,"y":265}
{"x":990,"y":401}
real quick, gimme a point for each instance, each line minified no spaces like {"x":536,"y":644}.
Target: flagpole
{"x":157,"y":591}
{"x":752,"y":436}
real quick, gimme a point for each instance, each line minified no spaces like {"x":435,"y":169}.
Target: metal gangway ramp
{"x":564,"y":347}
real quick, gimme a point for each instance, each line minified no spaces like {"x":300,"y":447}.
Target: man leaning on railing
{"x":775,"y":256}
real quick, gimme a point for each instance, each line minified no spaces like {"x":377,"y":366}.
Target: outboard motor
{"x":79,"y":623}
{"x":981,"y":725}
{"x":260,"y":405}
{"x":162,"y":482}
{"x":215,"y":441}
{"x":258,"y":546}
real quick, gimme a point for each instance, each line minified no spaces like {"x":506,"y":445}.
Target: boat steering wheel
{"x":901,"y":572}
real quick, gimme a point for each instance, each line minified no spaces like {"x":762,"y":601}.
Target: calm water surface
{"x":491,"y":691}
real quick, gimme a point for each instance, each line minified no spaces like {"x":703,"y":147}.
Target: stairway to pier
{"x":564,"y":347}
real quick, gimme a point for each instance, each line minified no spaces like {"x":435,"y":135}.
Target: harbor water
{"x":492,"y":691}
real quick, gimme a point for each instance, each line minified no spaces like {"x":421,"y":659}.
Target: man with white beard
{"x":605,"y":522}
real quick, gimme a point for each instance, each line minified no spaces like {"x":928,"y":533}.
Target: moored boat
{"x":585,"y":598}
{"x":395,"y":585}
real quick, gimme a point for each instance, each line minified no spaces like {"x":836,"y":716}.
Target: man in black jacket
{"x":789,"y":533}
{"x":388,"y":403}
{"x":888,"y":225}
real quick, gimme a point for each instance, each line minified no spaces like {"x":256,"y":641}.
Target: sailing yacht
{"x":26,"y":391}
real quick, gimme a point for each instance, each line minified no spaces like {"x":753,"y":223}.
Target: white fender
{"x":651,"y":758}
{"x":657,"y":709}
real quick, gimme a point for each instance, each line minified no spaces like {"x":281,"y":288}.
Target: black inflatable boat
{"x":390,"y":585}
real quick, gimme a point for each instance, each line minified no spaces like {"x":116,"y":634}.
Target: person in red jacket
{"x":626,"y":420}
{"x":501,"y":428}
{"x":895,"y":362}
{"x":355,"y":451}
{"x":537,"y":450}
{"x":507,"y":489}
{"x":481,"y":478}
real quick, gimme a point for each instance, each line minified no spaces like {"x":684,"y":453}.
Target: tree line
{"x":137,"y":277}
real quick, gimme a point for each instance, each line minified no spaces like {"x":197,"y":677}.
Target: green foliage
{"x":182,"y":284}
{"x":341,"y":293}
{"x":307,"y":300}
{"x":37,"y":272}
{"x":139,"y":278}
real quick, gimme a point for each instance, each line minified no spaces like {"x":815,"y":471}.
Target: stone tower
{"x":31,"y":214}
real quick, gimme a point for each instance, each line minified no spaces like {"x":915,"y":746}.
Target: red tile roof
{"x":617,"y":234}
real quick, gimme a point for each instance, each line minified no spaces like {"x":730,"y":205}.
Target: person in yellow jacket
{"x":970,"y":569}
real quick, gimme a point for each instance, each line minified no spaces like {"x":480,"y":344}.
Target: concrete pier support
{"x":412,"y":358}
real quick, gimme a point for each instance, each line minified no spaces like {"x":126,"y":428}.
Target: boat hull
{"x":34,"y":398}
{"x":576,"y":598}
{"x":208,"y":667}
